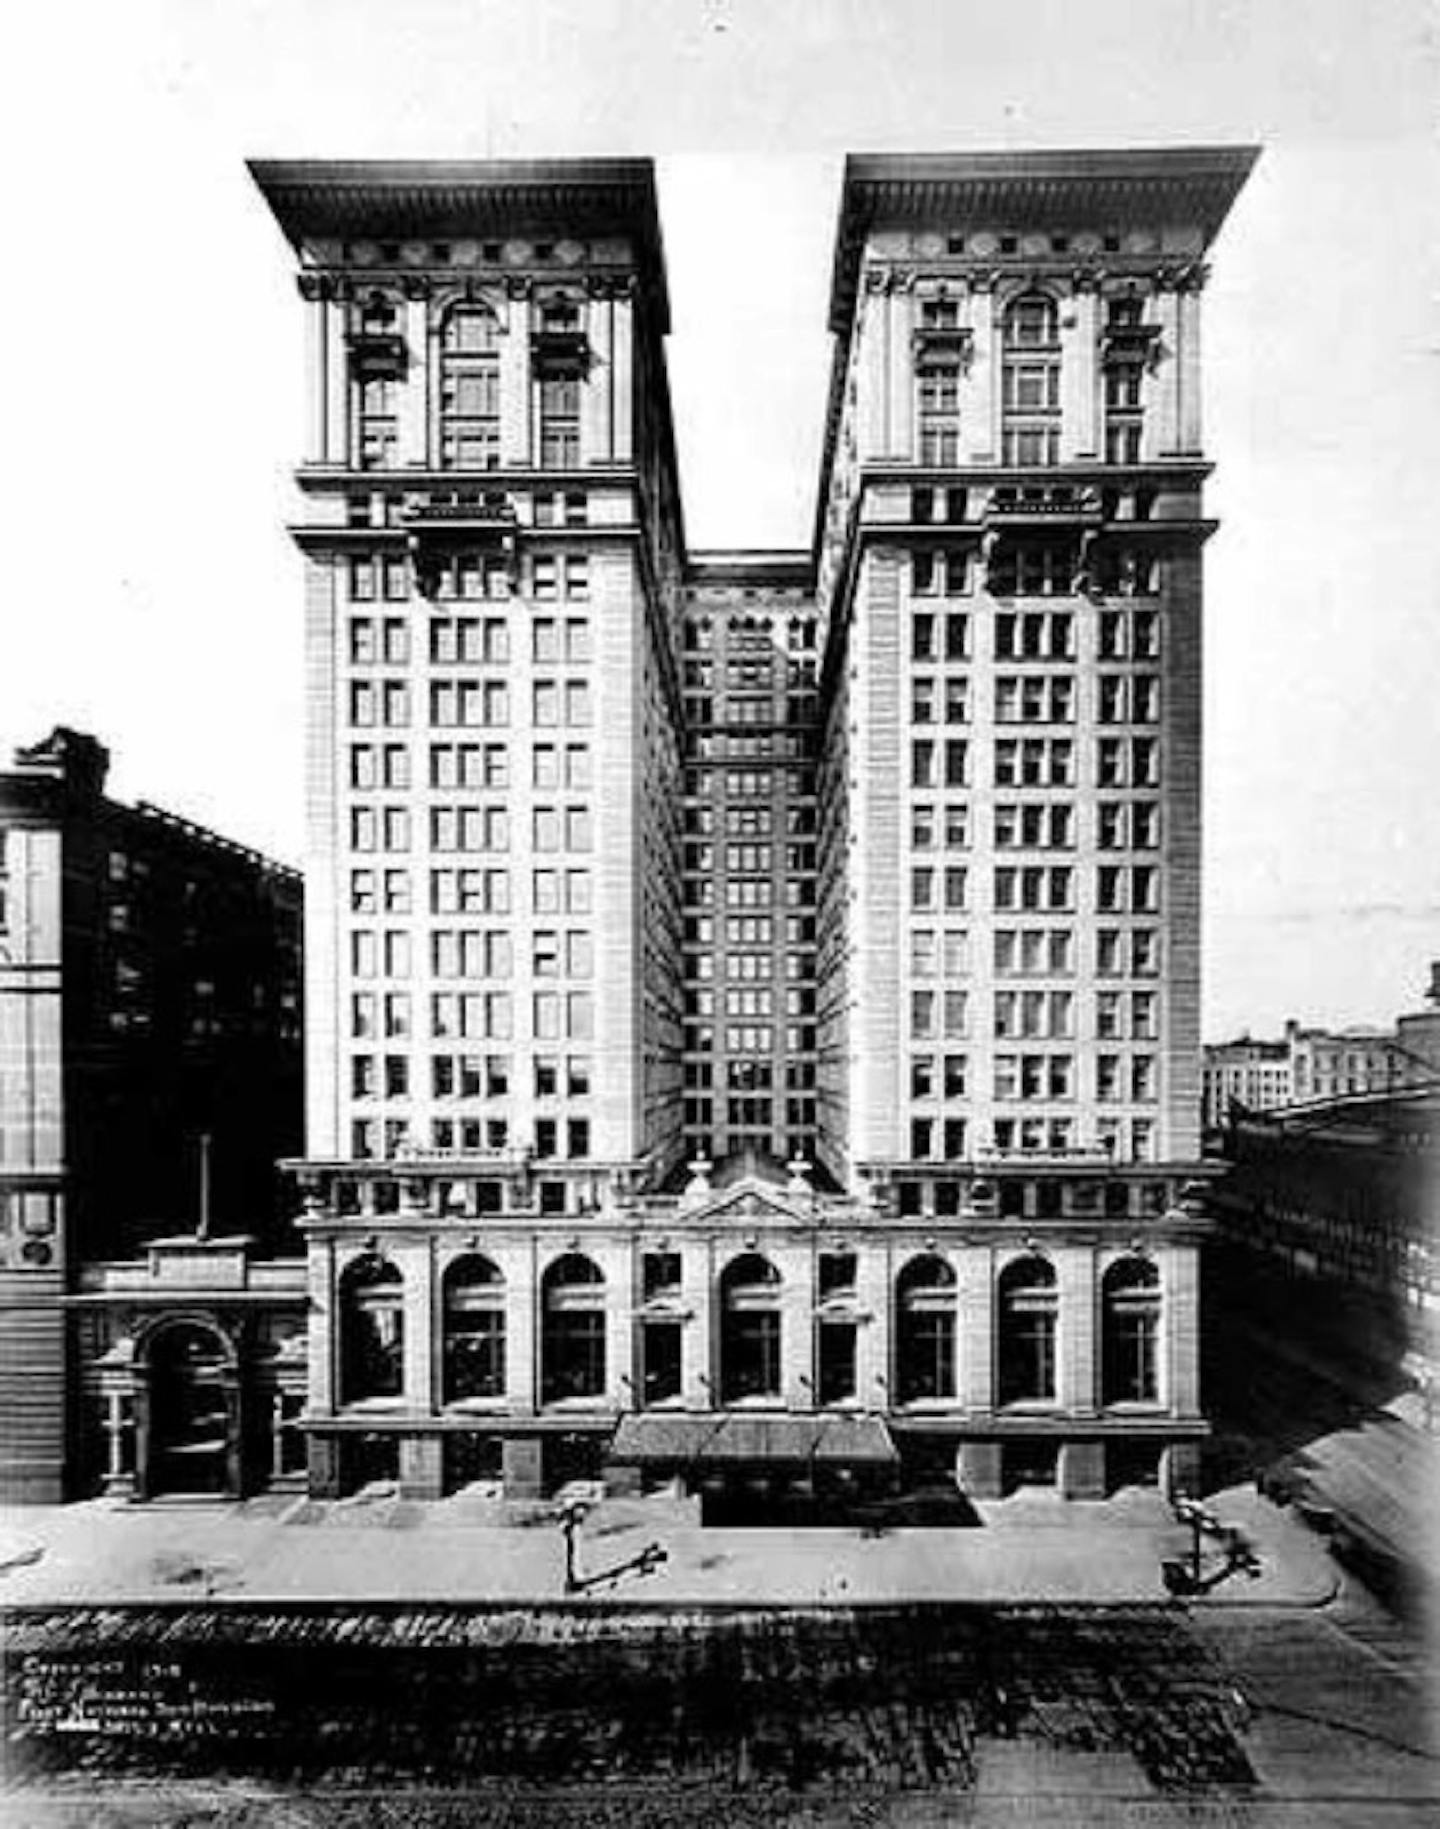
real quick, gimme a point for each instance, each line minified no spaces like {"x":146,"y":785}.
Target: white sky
{"x":153,"y":373}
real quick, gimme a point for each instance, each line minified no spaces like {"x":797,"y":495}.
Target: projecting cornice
{"x":422,"y":199}
{"x":1070,"y":193}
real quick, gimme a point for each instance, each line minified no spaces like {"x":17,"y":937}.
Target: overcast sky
{"x":153,"y":373}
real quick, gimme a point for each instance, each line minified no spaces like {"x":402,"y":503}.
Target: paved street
{"x":962,"y":1676}
{"x":1034,"y":1546}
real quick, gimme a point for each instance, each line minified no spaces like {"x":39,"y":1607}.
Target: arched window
{"x":1026,"y":1332}
{"x":1030,"y":382}
{"x":925,"y":1331}
{"x":1130,"y":1332}
{"x":469,"y":390}
{"x":372,"y":1331}
{"x":749,"y":1329}
{"x":473,"y":1301}
{"x":572,"y":1330}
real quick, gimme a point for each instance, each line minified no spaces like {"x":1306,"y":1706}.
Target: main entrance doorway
{"x":192,"y":1439}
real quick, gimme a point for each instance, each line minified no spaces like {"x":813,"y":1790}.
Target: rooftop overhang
{"x":1190,"y":186}
{"x":430,"y":200}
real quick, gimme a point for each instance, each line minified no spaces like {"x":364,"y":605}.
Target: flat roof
{"x":430,"y":198}
{"x":1053,"y":189}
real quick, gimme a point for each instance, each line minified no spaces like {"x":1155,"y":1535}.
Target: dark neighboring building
{"x":150,"y":1062}
{"x":1339,"y":1200}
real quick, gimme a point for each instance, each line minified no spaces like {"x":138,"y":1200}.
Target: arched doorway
{"x":749,"y":1330}
{"x":189,"y":1418}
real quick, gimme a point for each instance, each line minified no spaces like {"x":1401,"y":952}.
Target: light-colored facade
{"x":958,"y":747}
{"x":1257,"y":1075}
{"x":1310,"y":1065}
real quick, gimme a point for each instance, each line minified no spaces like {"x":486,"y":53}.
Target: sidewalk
{"x":1033,"y":1547}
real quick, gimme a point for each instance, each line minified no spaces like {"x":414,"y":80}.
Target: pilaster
{"x":1080,"y":377}
{"x":1075,"y":1276}
{"x":980,"y":405}
{"x":413,"y":404}
{"x":522,"y":1302}
{"x":975,"y":1325}
{"x":1164,"y":385}
{"x":323,"y":1303}
{"x":872,"y":1347}
{"x":515,"y":414}
{"x":1189,"y":434}
{"x":797,"y":1325}
{"x":336,"y":389}
{"x":697,"y":1286}
{"x":622,"y":334}
{"x":1180,"y":1369}
{"x":595,"y":401}
{"x":900,"y":375}
{"x":878,"y":773}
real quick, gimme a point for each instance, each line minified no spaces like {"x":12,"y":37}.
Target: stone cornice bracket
{"x":314,"y":286}
{"x":877,"y":279}
{"x":610,"y":285}
{"x":416,"y":286}
{"x":1086,"y":279}
{"x":519,"y":285}
{"x":1192,"y":278}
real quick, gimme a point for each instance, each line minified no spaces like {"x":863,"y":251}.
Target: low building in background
{"x":150,"y":1077}
{"x":1311,"y":1065}
{"x":1254,"y":1075}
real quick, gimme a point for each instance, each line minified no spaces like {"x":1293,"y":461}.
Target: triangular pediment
{"x":751,"y":1202}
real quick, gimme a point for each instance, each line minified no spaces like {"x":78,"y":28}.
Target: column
{"x":414,"y":387}
{"x":978,"y":1470}
{"x":337,"y":385}
{"x":1075,"y":1278}
{"x":1081,"y":1473}
{"x":515,"y":442}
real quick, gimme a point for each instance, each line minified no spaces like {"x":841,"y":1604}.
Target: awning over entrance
{"x":734,"y":1437}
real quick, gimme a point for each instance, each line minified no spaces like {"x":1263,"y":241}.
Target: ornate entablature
{"x":408,"y":222}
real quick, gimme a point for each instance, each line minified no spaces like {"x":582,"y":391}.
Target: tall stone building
{"x":753,"y":998}
{"x":149,"y":1076}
